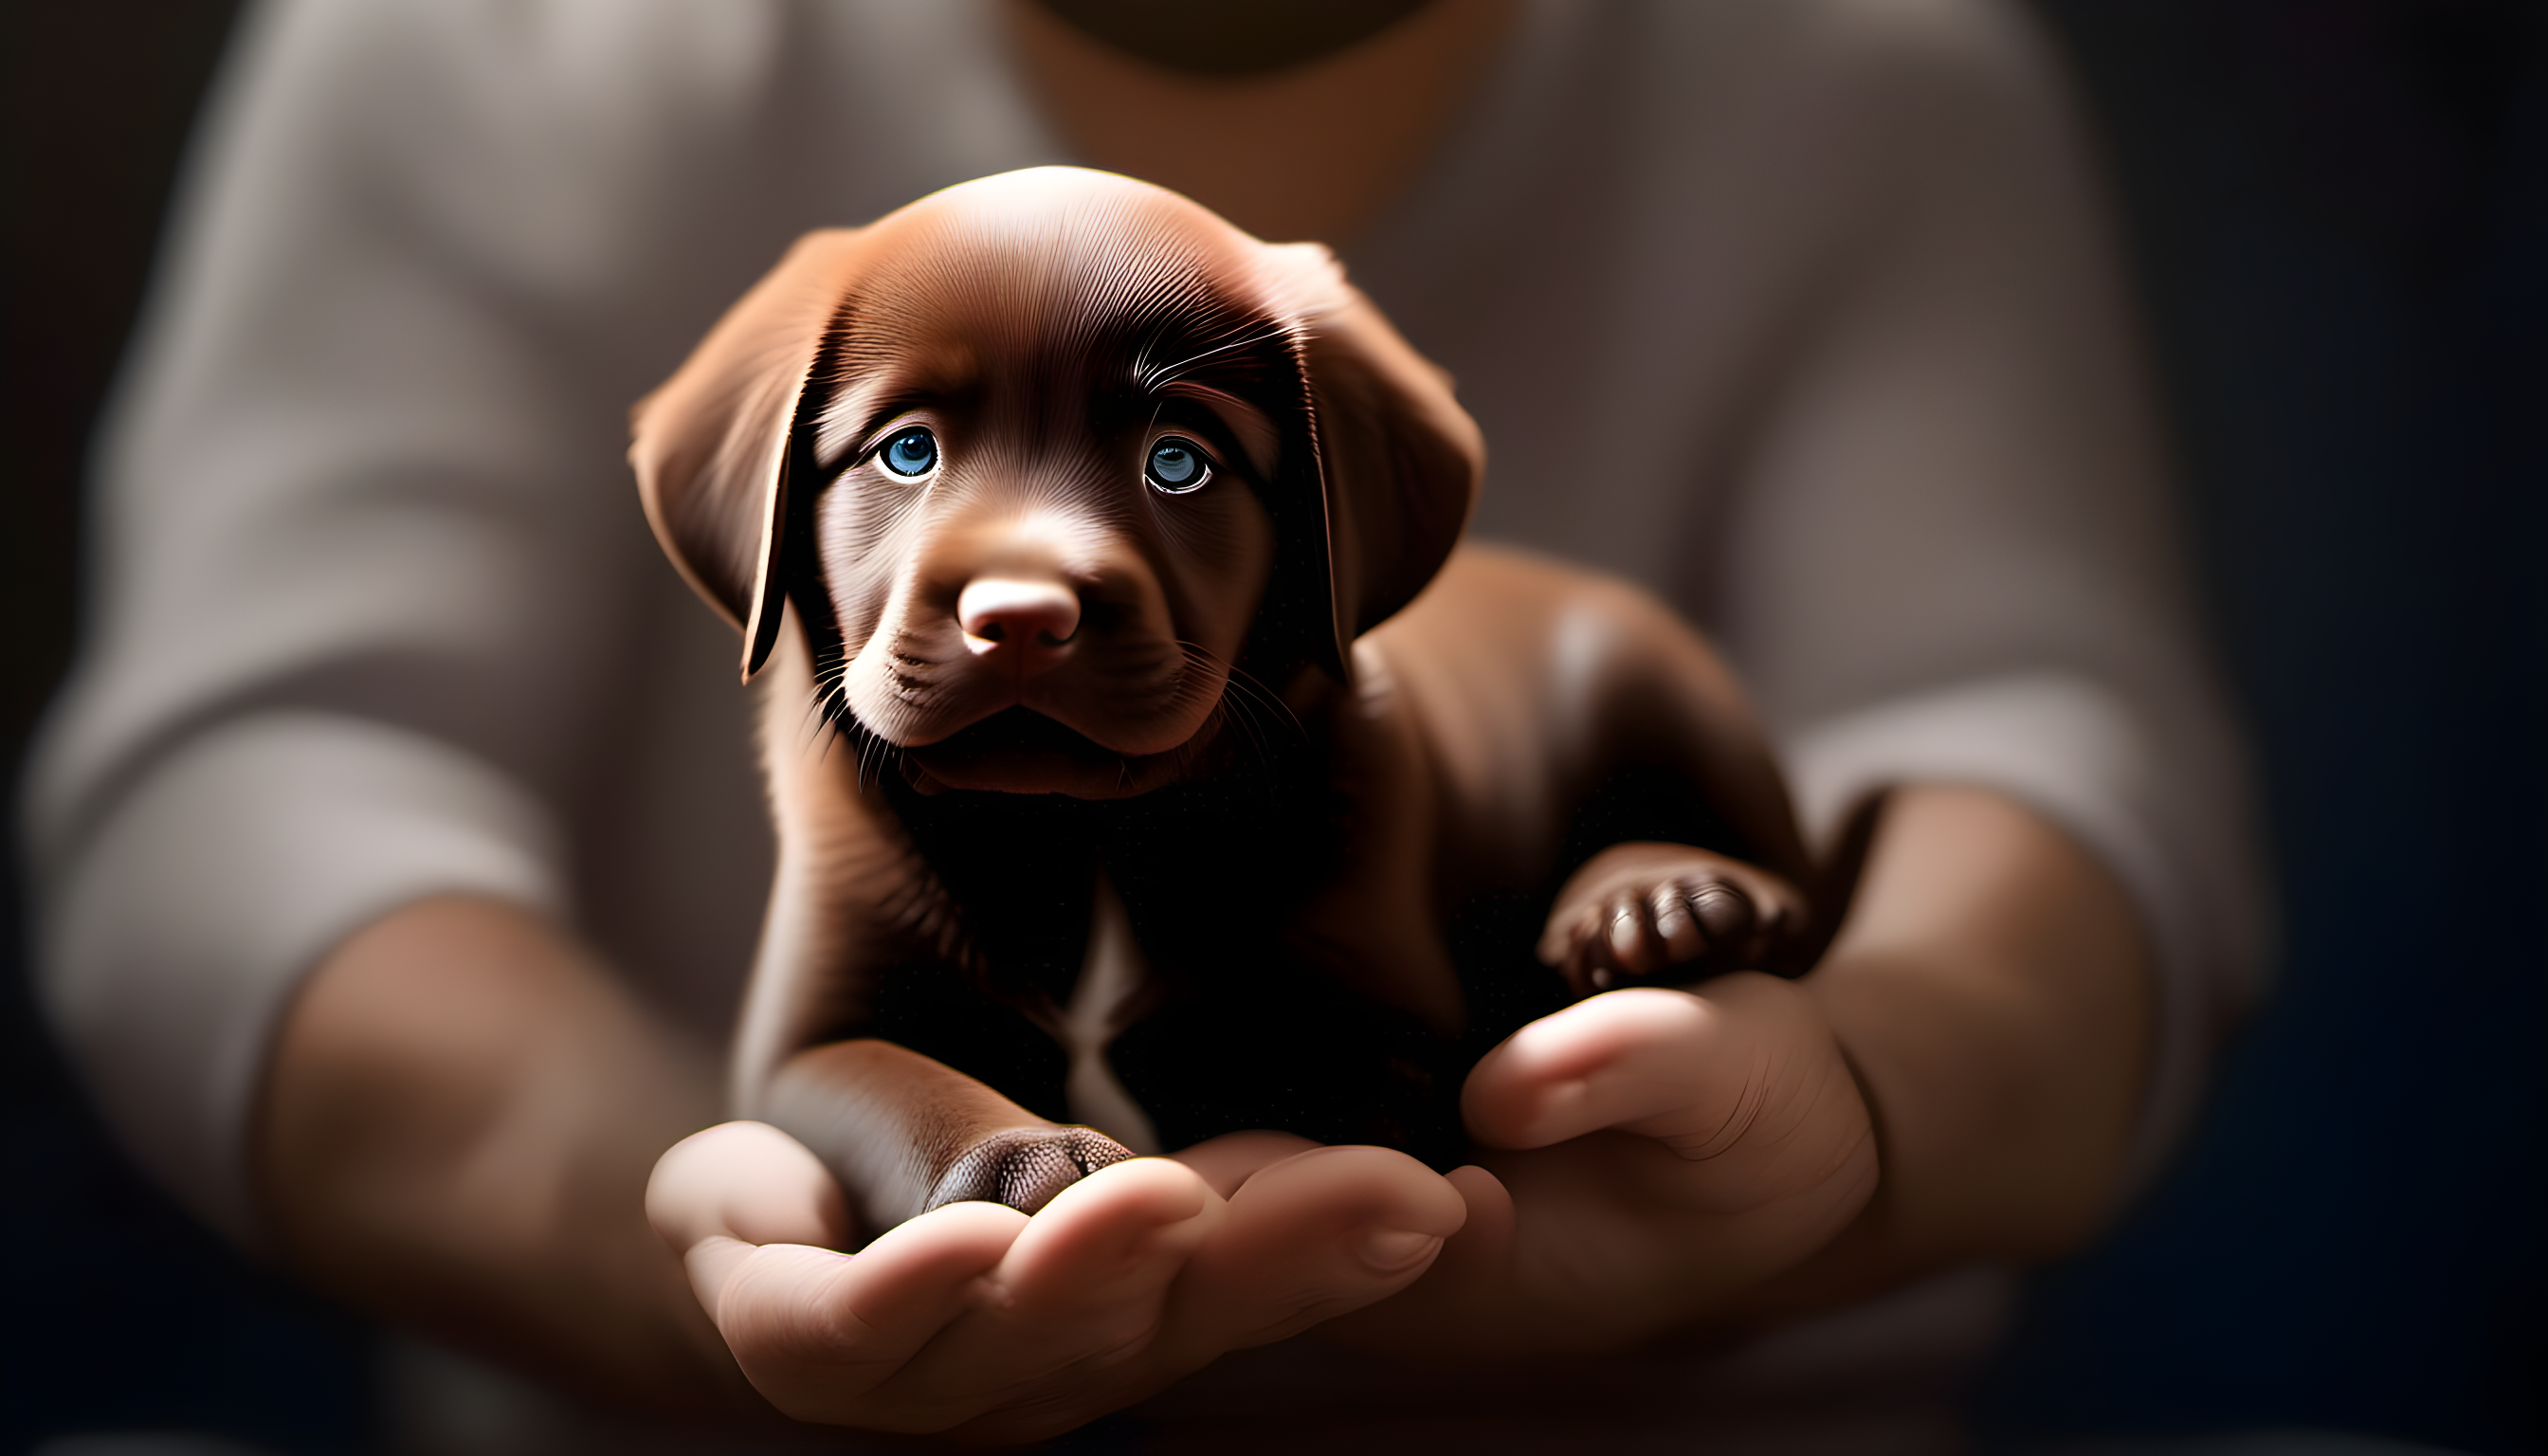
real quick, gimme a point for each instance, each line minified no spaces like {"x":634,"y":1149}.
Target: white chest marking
{"x":1112,"y":971}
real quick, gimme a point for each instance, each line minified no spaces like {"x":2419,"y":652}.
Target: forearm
{"x":1991,"y":992}
{"x":456,"y":1130}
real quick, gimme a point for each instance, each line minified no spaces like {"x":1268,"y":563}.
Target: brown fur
{"x":1351,"y":828}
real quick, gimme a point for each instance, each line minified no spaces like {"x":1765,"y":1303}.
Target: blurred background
{"x":2336,"y":214}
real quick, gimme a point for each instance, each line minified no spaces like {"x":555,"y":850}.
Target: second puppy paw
{"x":1637,"y":913}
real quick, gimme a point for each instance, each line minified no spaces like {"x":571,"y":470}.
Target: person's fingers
{"x":1384,"y":1209}
{"x":1140,"y":1274}
{"x":1065,"y":1322}
{"x":1617,"y":1057}
{"x":1487,"y":1233}
{"x":1463,"y":1300}
{"x":971,"y":1308}
{"x":1693,"y":1070}
{"x":1311,"y":1237}
{"x":1109,"y":1231}
{"x":1227,"y":1162}
{"x":1734,"y":1101}
{"x":711,"y":1263}
{"x":817,"y":1332}
{"x":745,"y":1181}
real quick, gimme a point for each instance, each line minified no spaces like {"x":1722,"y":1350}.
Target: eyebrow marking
{"x":1245,"y":422}
{"x":1154,"y":378}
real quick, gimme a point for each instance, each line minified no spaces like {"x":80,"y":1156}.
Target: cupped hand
{"x":1662,"y":1150}
{"x":979,"y":1320}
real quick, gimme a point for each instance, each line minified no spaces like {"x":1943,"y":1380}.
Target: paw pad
{"x":1024,"y":1167}
{"x":1688,"y":925}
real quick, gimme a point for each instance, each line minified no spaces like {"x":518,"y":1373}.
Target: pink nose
{"x":1027,"y":616}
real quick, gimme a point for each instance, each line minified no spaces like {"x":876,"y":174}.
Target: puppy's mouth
{"x":1020,"y":751}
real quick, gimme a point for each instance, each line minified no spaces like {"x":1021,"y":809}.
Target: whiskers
{"x":1184,"y":681}
{"x":1264,"y":720}
{"x":829,"y":710}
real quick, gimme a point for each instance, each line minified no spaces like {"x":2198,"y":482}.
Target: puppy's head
{"x":1042,"y":459}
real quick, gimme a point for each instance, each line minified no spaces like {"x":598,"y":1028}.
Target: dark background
{"x":115,"y":1310}
{"x":2339,"y":216}
{"x":2337,"y":219}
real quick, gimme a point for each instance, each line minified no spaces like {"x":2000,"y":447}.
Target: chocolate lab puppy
{"x":1146,"y":753}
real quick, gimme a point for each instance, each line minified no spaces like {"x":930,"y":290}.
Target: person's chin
{"x":1020,"y":751}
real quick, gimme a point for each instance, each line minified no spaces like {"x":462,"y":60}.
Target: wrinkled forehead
{"x":1052,"y":308}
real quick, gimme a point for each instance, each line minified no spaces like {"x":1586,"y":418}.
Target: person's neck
{"x":1316,"y":151}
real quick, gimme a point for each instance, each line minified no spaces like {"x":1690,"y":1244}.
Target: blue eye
{"x":1178,"y":465}
{"x":912,"y":452}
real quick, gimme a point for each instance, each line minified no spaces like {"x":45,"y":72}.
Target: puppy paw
{"x":1024,"y":1167}
{"x":1638,"y":913}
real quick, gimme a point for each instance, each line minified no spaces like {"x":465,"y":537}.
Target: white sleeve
{"x":222,"y":875}
{"x":363,"y":543}
{"x":1951,"y":559}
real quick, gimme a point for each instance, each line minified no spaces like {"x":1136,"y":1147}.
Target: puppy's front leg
{"x":905,"y":1133}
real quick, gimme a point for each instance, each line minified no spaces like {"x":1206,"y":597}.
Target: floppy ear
{"x":1400,"y":461}
{"x":711,"y":444}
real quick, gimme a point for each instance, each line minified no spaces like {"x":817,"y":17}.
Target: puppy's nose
{"x":1025,"y":615}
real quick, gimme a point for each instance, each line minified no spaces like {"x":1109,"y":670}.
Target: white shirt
{"x":1798,"y":312}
